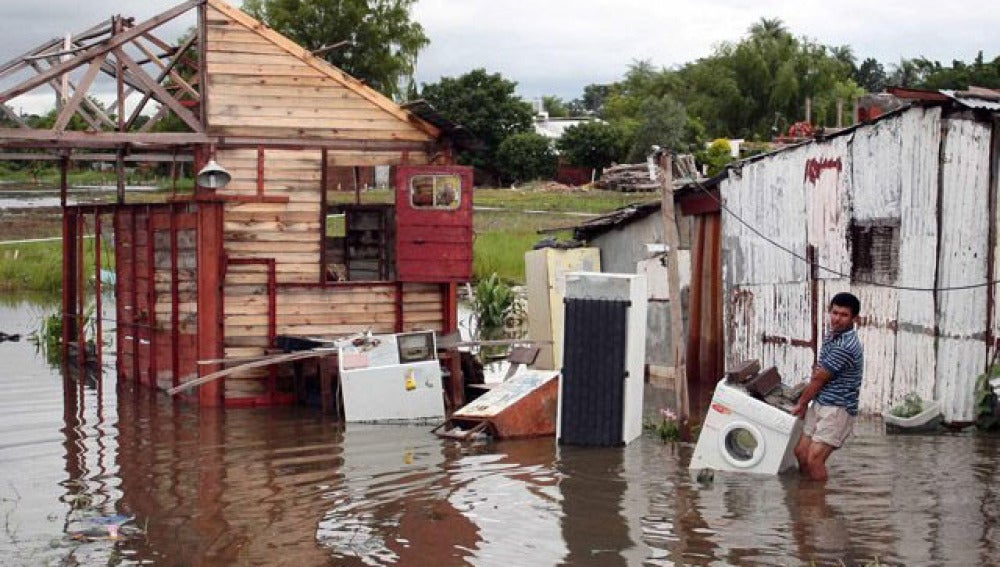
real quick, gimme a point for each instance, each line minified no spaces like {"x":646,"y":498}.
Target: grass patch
{"x":37,"y":266}
{"x":502,"y":238}
{"x":49,"y":176}
{"x":592,"y":201}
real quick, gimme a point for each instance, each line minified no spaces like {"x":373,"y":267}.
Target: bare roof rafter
{"x":111,"y":48}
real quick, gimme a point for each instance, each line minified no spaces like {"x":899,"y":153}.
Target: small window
{"x":875,"y":251}
{"x":435,"y":191}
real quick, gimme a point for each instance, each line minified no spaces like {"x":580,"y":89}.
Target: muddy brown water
{"x":287,"y":486}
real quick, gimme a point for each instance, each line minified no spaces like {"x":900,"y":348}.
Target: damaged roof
{"x":456,"y":132}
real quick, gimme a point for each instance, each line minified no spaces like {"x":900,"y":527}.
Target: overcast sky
{"x":559,"y":46}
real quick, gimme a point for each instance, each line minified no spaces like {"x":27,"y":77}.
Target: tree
{"x":555,"y":107}
{"x":664,"y":124}
{"x":871,"y":76}
{"x":593,"y":144}
{"x":592,"y":101}
{"x":373,"y":40}
{"x":526,"y":156}
{"x":486,"y":106}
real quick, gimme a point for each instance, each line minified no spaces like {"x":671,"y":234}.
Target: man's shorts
{"x":829,"y":424}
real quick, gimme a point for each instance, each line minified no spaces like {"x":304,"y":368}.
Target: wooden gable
{"x":263,"y":85}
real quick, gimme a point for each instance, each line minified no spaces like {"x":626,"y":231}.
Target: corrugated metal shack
{"x":631,"y":240}
{"x":217,"y":275}
{"x":900,"y":210}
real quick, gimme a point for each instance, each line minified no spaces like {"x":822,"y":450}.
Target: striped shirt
{"x":844,"y":357}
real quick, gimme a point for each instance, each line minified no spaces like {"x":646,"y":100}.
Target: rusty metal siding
{"x":900,"y":171}
{"x":827,"y":176}
{"x":768,"y":195}
{"x":915,"y":368}
{"x":961,"y":315}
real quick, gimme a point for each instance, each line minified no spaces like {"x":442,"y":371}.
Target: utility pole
{"x":672,"y":239}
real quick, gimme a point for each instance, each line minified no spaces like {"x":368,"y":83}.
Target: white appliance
{"x":604,"y":348}
{"x":392,"y":378}
{"x":545,"y":279}
{"x":744,"y":434}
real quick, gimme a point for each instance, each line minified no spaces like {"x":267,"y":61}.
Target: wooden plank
{"x":318,"y":319}
{"x":284,"y":96}
{"x":337,"y":309}
{"x":322,"y":66}
{"x":98,"y":139}
{"x":295,"y":85}
{"x":302,"y":110}
{"x":274,"y":246}
{"x":221,"y":35}
{"x":289,"y":69}
{"x":275,"y":57}
{"x":245,"y":116}
{"x":258,"y":236}
{"x":239,"y":44}
{"x":274,"y":216}
{"x":334,"y":330}
{"x":304,"y":134}
{"x":238,"y":225}
{"x":336,"y":300}
{"x":277,"y":208}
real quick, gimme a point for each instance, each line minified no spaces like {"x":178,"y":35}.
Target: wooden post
{"x":98,"y":308}
{"x":69,"y":283}
{"x":672,"y":239}
{"x":210,"y":265}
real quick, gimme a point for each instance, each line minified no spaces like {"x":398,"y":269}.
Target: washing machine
{"x":744,"y":434}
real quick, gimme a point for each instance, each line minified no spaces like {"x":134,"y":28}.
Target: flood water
{"x":288,"y":486}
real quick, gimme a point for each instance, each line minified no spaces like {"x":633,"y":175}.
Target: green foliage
{"x":48,"y":337}
{"x":741,"y":90}
{"x":380,"y":41}
{"x":594,"y":144}
{"x":927,"y":74}
{"x":497,"y":309}
{"x":555,"y":107}
{"x":663,"y":122}
{"x":667,"y":427}
{"x":37,"y":266}
{"x":592,"y":101}
{"x":912,"y":405}
{"x":526,"y":156}
{"x":718,"y":154}
{"x":484,"y":104}
{"x":986,"y":402}
{"x":871,"y":76}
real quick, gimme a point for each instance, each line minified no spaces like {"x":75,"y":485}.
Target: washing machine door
{"x":741,"y":444}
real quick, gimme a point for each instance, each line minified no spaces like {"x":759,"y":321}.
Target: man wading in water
{"x":833,"y":389}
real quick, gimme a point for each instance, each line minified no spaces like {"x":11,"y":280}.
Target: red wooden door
{"x":434,"y":223}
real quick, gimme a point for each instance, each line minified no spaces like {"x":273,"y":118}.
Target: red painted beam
{"x":210,"y":269}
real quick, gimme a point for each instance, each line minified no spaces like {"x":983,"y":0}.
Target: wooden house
{"x":216,"y":276}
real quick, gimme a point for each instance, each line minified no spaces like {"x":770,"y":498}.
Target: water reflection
{"x":289,"y":487}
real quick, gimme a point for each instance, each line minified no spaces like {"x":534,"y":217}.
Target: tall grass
{"x":502,"y":238}
{"x":37,"y":266}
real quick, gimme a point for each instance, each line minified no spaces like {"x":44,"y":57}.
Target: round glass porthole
{"x":741,"y":444}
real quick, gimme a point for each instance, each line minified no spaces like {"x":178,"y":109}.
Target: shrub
{"x":526,"y":156}
{"x":594,"y":144}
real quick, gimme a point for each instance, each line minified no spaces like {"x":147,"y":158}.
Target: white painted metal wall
{"x":931,"y":176}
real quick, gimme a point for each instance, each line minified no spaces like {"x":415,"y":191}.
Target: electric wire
{"x":722,"y":206}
